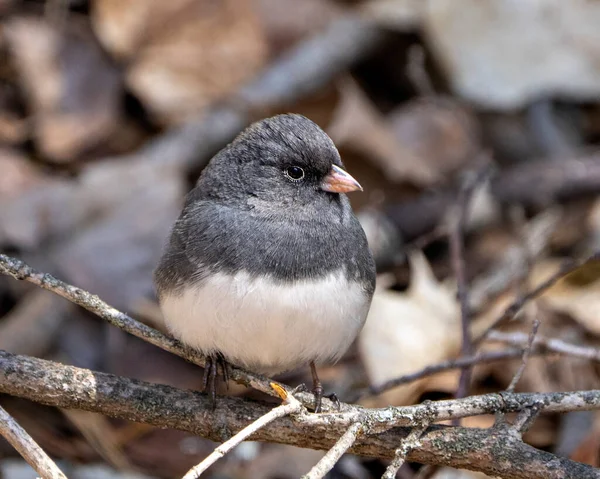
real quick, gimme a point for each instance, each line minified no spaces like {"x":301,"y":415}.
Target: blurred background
{"x":109,"y":110}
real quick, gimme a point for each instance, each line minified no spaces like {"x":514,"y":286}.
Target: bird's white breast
{"x":267,"y":325}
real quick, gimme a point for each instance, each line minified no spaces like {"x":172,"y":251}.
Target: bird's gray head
{"x":284,"y":160}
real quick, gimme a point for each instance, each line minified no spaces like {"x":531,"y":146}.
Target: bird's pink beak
{"x":339,"y":181}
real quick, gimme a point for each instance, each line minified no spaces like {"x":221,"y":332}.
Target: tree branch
{"x":457,"y":254}
{"x":411,"y":442}
{"x":462,"y":362}
{"x":529,"y":183}
{"x":493,"y":452}
{"x":290,"y":405}
{"x":334,"y":454}
{"x":553,"y":345}
{"x":515,"y":307}
{"x":28,"y":448}
{"x":526,"y":353}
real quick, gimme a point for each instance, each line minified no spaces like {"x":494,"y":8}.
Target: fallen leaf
{"x":358,"y":125}
{"x":480,"y":44}
{"x":577,"y":294}
{"x":185,"y":55}
{"x":440,"y":133}
{"x":408,"y":331}
{"x":72,"y":89}
{"x":124,"y":25}
{"x":287,"y":21}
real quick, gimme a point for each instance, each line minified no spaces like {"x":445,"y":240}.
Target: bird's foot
{"x":317,"y":390}
{"x":211,"y":371}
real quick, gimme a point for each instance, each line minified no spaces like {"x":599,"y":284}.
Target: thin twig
{"x":525,"y":419}
{"x":526,"y":353}
{"x":481,"y":358}
{"x":500,"y":419}
{"x":553,"y":345}
{"x":411,"y":442}
{"x":28,"y":448}
{"x":290,"y":406}
{"x":334,"y":454}
{"x":458,"y":264}
{"x":510,"y":312}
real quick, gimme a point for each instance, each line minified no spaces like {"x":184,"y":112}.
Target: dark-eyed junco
{"x":267,"y":267}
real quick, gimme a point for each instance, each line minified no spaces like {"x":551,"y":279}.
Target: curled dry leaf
{"x":408,"y":331}
{"x":74,"y":92}
{"x":422,"y":142}
{"x":123,"y":26}
{"x":358,"y":125}
{"x":288,"y":21}
{"x":441,"y":133}
{"x":480,"y":44}
{"x":183,"y":55}
{"x":577,"y":294}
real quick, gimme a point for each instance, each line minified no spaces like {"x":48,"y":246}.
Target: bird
{"x":267,"y":268}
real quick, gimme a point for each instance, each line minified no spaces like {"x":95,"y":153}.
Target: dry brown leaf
{"x":124,"y":25}
{"x":73,"y":91}
{"x":442,"y":134}
{"x":422,"y":142}
{"x":408,"y":331}
{"x":578,"y":294}
{"x":481,"y":45}
{"x":183,"y":55}
{"x":358,"y":125}
{"x":288,"y":21}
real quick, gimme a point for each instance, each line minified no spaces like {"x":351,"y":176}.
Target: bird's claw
{"x":211,"y":371}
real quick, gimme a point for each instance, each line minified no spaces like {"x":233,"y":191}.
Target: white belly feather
{"x":267,"y":325}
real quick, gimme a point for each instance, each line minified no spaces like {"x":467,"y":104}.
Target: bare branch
{"x":526,"y":353}
{"x":457,"y":254}
{"x":69,"y":387}
{"x":480,"y":358}
{"x":528,"y":183}
{"x":28,"y":448}
{"x":525,"y":419}
{"x":290,"y":405}
{"x":515,"y":307}
{"x":554,"y":345}
{"x":410,"y":443}
{"x":541,"y":345}
{"x":327,"y":462}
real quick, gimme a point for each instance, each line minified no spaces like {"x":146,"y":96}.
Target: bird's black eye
{"x":295,"y":173}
